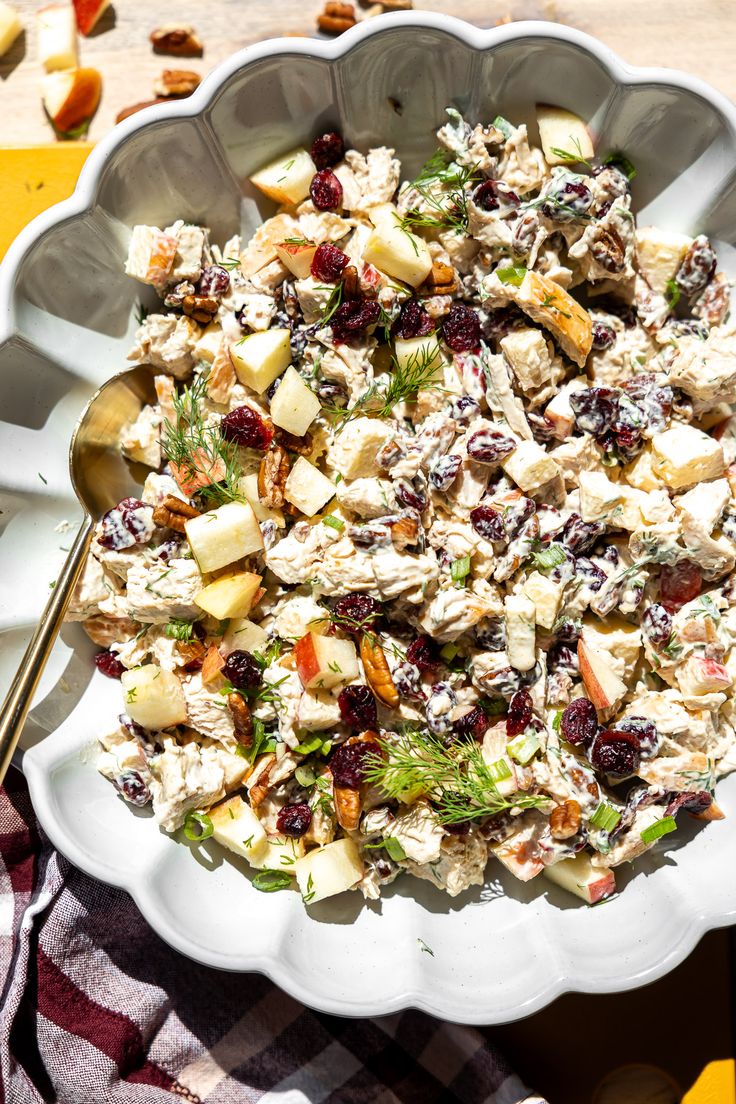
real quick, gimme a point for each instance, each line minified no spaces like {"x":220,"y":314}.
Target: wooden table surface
{"x":699,"y":37}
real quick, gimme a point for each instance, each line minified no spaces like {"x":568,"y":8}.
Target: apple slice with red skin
{"x":297,"y":256}
{"x":324,"y":661}
{"x":88,"y":13}
{"x":605,"y":689}
{"x":71,"y":97}
{"x":579,"y":877}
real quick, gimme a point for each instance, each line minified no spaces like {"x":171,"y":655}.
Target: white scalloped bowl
{"x":67,"y":318}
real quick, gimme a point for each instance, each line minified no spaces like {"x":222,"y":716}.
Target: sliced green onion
{"x":460,"y":568}
{"x":512,"y":274}
{"x":198,"y":826}
{"x":179,"y":630}
{"x":503,"y":125}
{"x":325,"y":747}
{"x":523,"y":748}
{"x":394,"y":849}
{"x":620,"y":162}
{"x":305,"y":776}
{"x":549,"y":557}
{"x":449,"y":651}
{"x":500,"y":770}
{"x":605,"y":817}
{"x":660,"y":828}
{"x":672,"y":294}
{"x":494,"y":707}
{"x":333,"y":522}
{"x":270,"y":881}
{"x":308,"y":746}
{"x":557,"y":720}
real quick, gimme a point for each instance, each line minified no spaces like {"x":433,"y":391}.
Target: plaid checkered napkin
{"x":97,"y":1009}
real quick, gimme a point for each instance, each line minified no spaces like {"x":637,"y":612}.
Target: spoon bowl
{"x":101,"y":477}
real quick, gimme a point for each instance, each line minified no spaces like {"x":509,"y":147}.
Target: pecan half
{"x":351,"y":283}
{"x":302,"y":446}
{"x":377,"y":672}
{"x":713,"y":305}
{"x":242,"y":720}
{"x":212,"y":665}
{"x":202,"y":308}
{"x":336,"y":18}
{"x":564,"y":820}
{"x":104,"y":630}
{"x":191,"y":654}
{"x":177,"y":39}
{"x":442,"y":280}
{"x":404,"y":532}
{"x":134,"y":108}
{"x":272,"y":476}
{"x":173,"y":513}
{"x":176,"y":82}
{"x":258,"y":784}
{"x":608,"y":251}
{"x":348,"y":805}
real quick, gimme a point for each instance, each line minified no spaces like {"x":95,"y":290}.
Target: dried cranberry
{"x":349,"y":763}
{"x":561,"y":658}
{"x":440,"y":705}
{"x":656,"y":625}
{"x":580,"y":536}
{"x":488,"y":523}
{"x":465,"y":409}
{"x":488,"y":446}
{"x":579,"y":722}
{"x":294,"y":820}
{"x":354,"y":317}
{"x":679,"y":583}
{"x":491,"y":634}
{"x":593,"y":576}
{"x":492,"y":194}
{"x":615,"y":752}
{"x":245,"y":426}
{"x":568,"y":631}
{"x":131,"y":785}
{"x":358,"y":707}
{"x":652,"y":399}
{"x":409,"y":496}
{"x":520,"y":713}
{"x":213,"y":282}
{"x":325,"y":190}
{"x":691,"y":801}
{"x":603,"y":335}
{"x":697,"y":267}
{"x":595,"y":409}
{"x":128,"y":523}
{"x":242,"y":670}
{"x":356,"y":613}
{"x":423,"y":653}
{"x":328,"y":262}
{"x":108,"y":664}
{"x":328,"y":149}
{"x":567,"y":198}
{"x":413,"y":321}
{"x":443,"y":472}
{"x":645,"y":732}
{"x":461,"y":329}
{"x":474,"y":723}
{"x":461,"y":828}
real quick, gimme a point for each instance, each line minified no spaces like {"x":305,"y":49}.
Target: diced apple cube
{"x":219,"y":537}
{"x":579,"y":877}
{"x":700,"y":675}
{"x":397,"y":252}
{"x":659,"y":254}
{"x":229,"y":596}
{"x":418,"y":350}
{"x":248,"y":487}
{"x":153,"y":697}
{"x":603,"y":686}
{"x":684,"y":456}
{"x":238,"y":828}
{"x":244,"y":635}
{"x":530,"y":466}
{"x":280,"y":853}
{"x":56,"y":25}
{"x":354,"y":451}
{"x":564,"y":136}
{"x":10,"y":27}
{"x":294,"y":407}
{"x":546,"y":595}
{"x":287,"y":178}
{"x":559,"y":412}
{"x":325,"y":661}
{"x":88,"y":13}
{"x":297,"y":256}
{"x":329,"y":870}
{"x":520,"y":631}
{"x":150,"y":255}
{"x":261,"y":357}
{"x":307,"y":488}
{"x":207,"y":345}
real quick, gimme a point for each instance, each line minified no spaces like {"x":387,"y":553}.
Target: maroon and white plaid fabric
{"x":97,"y":1009}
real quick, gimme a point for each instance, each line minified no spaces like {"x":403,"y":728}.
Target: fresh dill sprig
{"x":141,"y":313}
{"x":457,"y":780}
{"x":418,"y":373}
{"x":442,"y":185}
{"x":331,"y":305}
{"x":569,"y":156}
{"x":230,"y":263}
{"x":198,"y":449}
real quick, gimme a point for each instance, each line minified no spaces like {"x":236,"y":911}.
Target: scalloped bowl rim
{"x":36,"y":762}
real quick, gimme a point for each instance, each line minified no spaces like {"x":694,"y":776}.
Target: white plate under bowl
{"x":66,"y":322}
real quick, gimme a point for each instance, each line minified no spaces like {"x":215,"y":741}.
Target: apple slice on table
{"x":229,"y":596}
{"x":297,"y":256}
{"x":308,"y":488}
{"x":70,"y":98}
{"x":261,"y":357}
{"x":57,"y":37}
{"x":324,"y":661}
{"x":394,"y":251}
{"x":88,"y":13}
{"x":219,"y":537}
{"x":294,"y":407}
{"x":10,"y":27}
{"x":153,"y":697}
{"x":604,"y":688}
{"x":565,"y":137}
{"x":579,"y":877}
{"x":236,"y":827}
{"x":328,"y":870}
{"x":287,"y":179}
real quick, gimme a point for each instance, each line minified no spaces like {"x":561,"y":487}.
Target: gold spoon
{"x":101,"y":477}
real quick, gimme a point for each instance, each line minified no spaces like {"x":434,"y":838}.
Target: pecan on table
{"x":176,"y":82}
{"x":177,"y":39}
{"x":336,"y":18}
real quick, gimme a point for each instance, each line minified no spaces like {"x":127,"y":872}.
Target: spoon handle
{"x":23,"y":687}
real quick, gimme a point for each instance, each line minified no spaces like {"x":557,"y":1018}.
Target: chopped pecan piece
{"x":442,"y":280}
{"x":192,"y":653}
{"x":377,"y":672}
{"x":173,"y":513}
{"x":564,"y":820}
{"x":202,"y":308}
{"x":134,"y":108}
{"x":104,"y":631}
{"x":272,"y":476}
{"x":302,"y":446}
{"x":350,"y":283}
{"x":179,"y":40}
{"x":176,"y":82}
{"x":348,"y":805}
{"x":336,"y":18}
{"x":258,"y":784}
{"x":404,"y":532}
{"x":242,"y":720}
{"x":212,"y":665}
